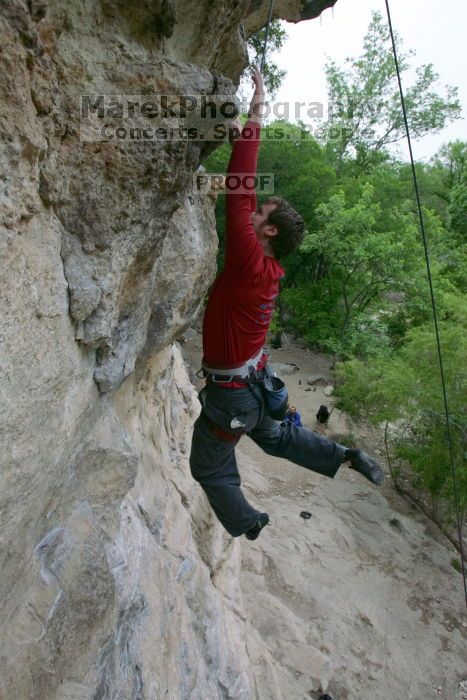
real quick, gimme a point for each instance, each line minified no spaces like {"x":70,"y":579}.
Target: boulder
{"x":317,"y":380}
{"x":284,"y":368}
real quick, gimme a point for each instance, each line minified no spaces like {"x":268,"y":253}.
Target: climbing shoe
{"x":254,"y":531}
{"x":363,"y":463}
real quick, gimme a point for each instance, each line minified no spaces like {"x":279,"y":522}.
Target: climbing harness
{"x":275,"y":394}
{"x":433,"y":302}
{"x":231,"y":374}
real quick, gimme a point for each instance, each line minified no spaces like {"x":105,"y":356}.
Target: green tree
{"x":298,"y":162}
{"x":450,"y":163}
{"x":405,"y":390}
{"x":458,"y":211}
{"x":277,"y":35}
{"x":367,"y":114}
{"x":357,"y":255}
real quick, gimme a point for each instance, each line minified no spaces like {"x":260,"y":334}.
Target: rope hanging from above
{"x":271,"y":3}
{"x":433,"y":302}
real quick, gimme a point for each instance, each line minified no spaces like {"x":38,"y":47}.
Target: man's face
{"x":259,"y":217}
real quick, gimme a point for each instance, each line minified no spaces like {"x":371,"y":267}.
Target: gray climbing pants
{"x":226,"y":415}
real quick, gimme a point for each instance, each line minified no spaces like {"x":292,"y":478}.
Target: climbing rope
{"x":266,"y":35}
{"x":433,"y":302}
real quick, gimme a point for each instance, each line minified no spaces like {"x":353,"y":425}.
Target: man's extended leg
{"x":213,"y":463}
{"x":311,"y":450}
{"x":299,"y":445}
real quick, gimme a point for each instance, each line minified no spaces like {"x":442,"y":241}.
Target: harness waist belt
{"x":241,"y":372}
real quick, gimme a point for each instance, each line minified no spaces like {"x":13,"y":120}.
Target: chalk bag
{"x":276,"y":397}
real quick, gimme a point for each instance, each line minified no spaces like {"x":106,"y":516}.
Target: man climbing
{"x":235,"y":324}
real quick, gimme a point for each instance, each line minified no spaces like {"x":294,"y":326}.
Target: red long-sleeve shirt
{"x":242,"y":300}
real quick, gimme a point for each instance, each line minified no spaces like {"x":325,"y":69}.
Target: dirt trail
{"x":363,"y":594}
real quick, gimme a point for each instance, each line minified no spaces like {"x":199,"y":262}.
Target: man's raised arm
{"x":242,"y":244}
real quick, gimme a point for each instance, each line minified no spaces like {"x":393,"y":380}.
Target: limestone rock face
{"x":127,"y":593}
{"x":258,"y":11}
{"x":115,"y":580}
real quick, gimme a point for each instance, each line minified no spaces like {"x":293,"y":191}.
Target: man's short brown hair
{"x":290,"y":226}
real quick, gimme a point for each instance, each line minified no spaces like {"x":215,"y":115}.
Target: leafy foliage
{"x":367,"y":112}
{"x":406,"y":388}
{"x":451,"y":165}
{"x":356,"y":256}
{"x":458,"y":211}
{"x":273,"y":75}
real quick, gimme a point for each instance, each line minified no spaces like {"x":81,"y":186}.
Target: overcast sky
{"x":437,"y":31}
